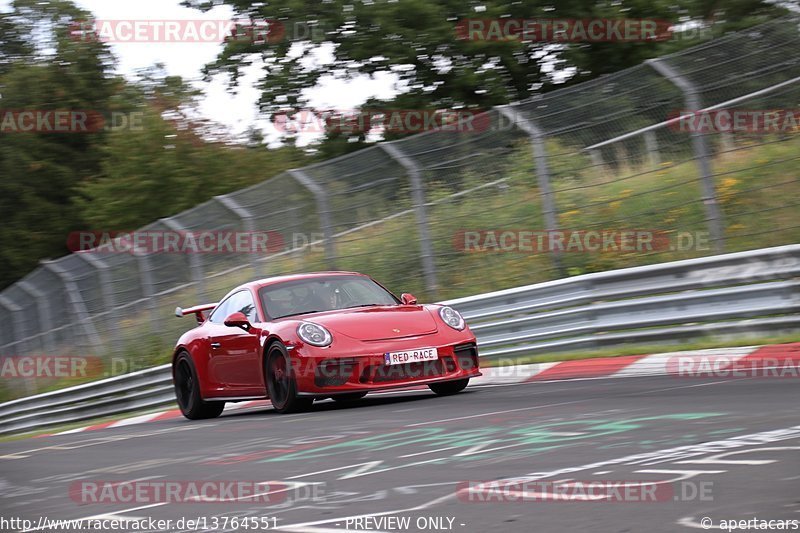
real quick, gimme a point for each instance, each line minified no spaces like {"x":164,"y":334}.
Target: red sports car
{"x":297,"y":338}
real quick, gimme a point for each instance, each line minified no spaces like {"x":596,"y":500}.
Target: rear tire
{"x":187,"y":391}
{"x":282,"y":383}
{"x":447,"y":388}
{"x":349,"y":397}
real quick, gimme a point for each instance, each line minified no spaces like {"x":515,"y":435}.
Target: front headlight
{"x":314,"y":334}
{"x":452,"y":318}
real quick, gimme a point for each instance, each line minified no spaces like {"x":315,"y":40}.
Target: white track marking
{"x":94,"y":441}
{"x":718,"y":458}
{"x":365,"y":466}
{"x":443,"y":420}
{"x":429,"y":451}
{"x":682,"y":387}
{"x":136,"y":420}
{"x":512,"y":374}
{"x":71,"y":431}
{"x":657,"y":364}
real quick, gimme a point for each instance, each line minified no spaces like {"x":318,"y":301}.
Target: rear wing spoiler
{"x":197,"y":310}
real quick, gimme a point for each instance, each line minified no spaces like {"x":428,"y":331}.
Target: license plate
{"x":411,"y":356}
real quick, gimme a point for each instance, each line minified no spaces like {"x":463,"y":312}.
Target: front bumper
{"x":330,"y":374}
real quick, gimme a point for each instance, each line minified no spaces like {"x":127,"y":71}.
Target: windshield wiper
{"x":300,"y":313}
{"x":326,"y":310}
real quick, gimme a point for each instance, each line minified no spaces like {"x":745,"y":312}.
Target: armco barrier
{"x":754,"y":292}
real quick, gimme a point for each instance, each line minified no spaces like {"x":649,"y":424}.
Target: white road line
{"x":660,"y":362}
{"x":97,"y":440}
{"x":681,"y":387}
{"x":719,"y":459}
{"x":443,"y":420}
{"x":368,"y":464}
{"x":688,"y":522}
{"x":136,"y":420}
{"x":501,"y":375}
{"x":428,"y":451}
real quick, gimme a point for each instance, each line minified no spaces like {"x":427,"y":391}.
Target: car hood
{"x":378,"y":323}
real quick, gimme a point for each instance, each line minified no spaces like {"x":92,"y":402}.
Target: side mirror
{"x":408,"y":299}
{"x":238,"y":320}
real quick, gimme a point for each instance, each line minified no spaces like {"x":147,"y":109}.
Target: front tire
{"x":447,"y":388}
{"x":187,"y":391}
{"x":282,"y":383}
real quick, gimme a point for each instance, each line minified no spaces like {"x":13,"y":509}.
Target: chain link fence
{"x":603,"y":155}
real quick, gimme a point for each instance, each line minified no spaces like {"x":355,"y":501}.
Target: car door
{"x":234,"y":355}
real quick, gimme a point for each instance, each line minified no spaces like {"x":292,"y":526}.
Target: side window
{"x":241,"y":302}
{"x":219,"y":314}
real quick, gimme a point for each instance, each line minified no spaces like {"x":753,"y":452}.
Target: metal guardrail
{"x":754,"y":292}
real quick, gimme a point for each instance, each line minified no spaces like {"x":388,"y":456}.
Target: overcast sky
{"x":235,"y":110}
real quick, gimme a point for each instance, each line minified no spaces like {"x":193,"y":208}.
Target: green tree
{"x":165,"y":160}
{"x":417,"y":41}
{"x":169,"y":160}
{"x":45,"y":70}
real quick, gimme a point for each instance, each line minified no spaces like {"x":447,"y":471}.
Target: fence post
{"x":19,"y":332}
{"x":243,"y":213}
{"x":195,"y":265}
{"x":421,"y":212}
{"x":76,"y":302}
{"x":247,"y":220}
{"x":700,"y":146}
{"x":109,"y":302}
{"x":324,"y":213}
{"x":651,"y":145}
{"x":597,"y":159}
{"x":537,"y":139}
{"x":43,"y":309}
{"x":148,"y":288}
{"x":17,"y":324}
{"x":726,"y":141}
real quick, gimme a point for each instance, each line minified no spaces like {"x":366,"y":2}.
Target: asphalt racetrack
{"x":715,"y":449}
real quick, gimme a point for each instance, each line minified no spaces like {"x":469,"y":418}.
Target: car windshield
{"x":320,"y":294}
